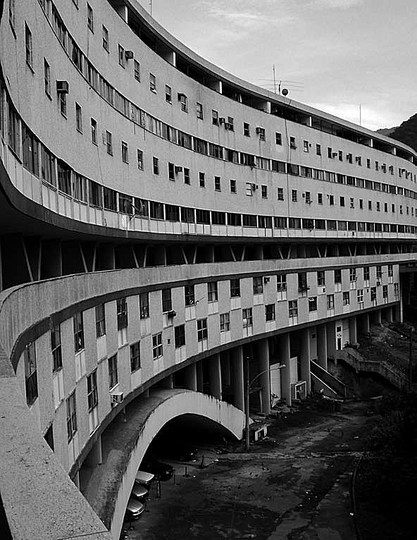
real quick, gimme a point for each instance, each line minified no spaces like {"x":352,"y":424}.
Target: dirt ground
{"x":295,"y":484}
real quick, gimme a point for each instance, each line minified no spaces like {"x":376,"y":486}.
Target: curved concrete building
{"x":165,"y":228}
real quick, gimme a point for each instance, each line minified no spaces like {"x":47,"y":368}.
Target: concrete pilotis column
{"x":238,"y":378}
{"x":353,"y":330}
{"x":200,"y":378}
{"x":215,"y":376}
{"x":264,"y":378}
{"x":305,"y":358}
{"x":378,"y":317}
{"x":366,"y":326}
{"x":331,"y":340}
{"x":284,"y":358}
{"x":322,"y":346}
{"x":225,"y":365}
{"x":389,"y":315}
{"x":191,"y":377}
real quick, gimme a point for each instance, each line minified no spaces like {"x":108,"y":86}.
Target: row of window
{"x":158,"y":127}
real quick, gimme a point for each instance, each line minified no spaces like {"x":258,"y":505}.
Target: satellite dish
{"x":284,"y":92}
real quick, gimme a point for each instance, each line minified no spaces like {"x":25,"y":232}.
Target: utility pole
{"x":410,"y":362}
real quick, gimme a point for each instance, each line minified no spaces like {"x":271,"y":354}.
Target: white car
{"x":144,"y":478}
{"x":139,"y":492}
{"x":134,"y":509}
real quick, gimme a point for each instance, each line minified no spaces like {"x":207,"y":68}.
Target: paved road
{"x":294,"y":485}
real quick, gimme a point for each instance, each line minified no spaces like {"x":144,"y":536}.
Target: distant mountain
{"x":386,"y":131}
{"x":406,"y":132}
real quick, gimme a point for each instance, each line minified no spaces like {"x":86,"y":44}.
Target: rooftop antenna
{"x":275,"y":81}
{"x":360,"y":114}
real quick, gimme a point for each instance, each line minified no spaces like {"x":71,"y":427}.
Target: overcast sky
{"x":336,"y":55}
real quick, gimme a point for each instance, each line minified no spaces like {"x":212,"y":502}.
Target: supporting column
{"x":225,"y":365}
{"x":200,"y":378}
{"x":378,"y":317}
{"x":237,"y":378}
{"x":284,"y":357}
{"x":389,"y":315}
{"x":215,"y":376}
{"x":263,"y":362}
{"x":366,"y":327}
{"x":353,"y":330}
{"x":191,"y":377}
{"x":305,"y":358}
{"x":322,"y":346}
{"x":331,"y":340}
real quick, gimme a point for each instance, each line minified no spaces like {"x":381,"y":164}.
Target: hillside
{"x":407,"y":132}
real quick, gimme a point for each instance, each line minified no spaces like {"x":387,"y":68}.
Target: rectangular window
{"x":306,"y":146}
{"x":56,"y":347}
{"x":122,"y":319}
{"x":152,"y":83}
{"x":202,"y":179}
{"x":78,"y":118}
{"x":157,"y":350}
{"x":215,"y":117}
{"x":168,"y":94}
{"x":292,"y":309}
{"x":359,"y":295}
{"x":264,"y":192}
{"x":100,"y":320}
{"x":47,"y":77}
{"x":187,"y":176}
{"x":258,"y":287}
{"x":278,"y":138}
{"x":125,"y":152}
{"x":352,"y":275}
{"x":321,"y":278}
{"x":92,"y":391}
{"x":155,"y":164}
{"x":189,"y":297}
{"x":62,"y":101}
{"x":113,"y":374}
{"x":144,"y":305}
{"x":247,"y":318}
{"x":182,"y":98}
{"x":246,"y":129}
{"x":135,"y":357}
{"x":140,"y":159}
{"x":212,"y":291}
{"x":28,"y":47}
{"x":199,"y":110}
{"x":136,"y":70}
{"x":90,"y":18}
{"x":330,"y":301}
{"x":270,"y":312}
{"x":318,"y":149}
{"x":294,"y":195}
{"x":166,"y":300}
{"x":224,"y":322}
{"x":122,"y":57}
{"x":280,"y":194}
{"x":105,"y":36}
{"x":346,"y":298}
{"x":217,"y":183}
{"x":233,"y":186}
{"x":202,"y":332}
{"x":109,"y":143}
{"x":338,"y":275}
{"x":234,"y":288}
{"x":180,"y":336}
{"x":312,"y":303}
{"x":78,"y":332}
{"x":93,"y":131}
{"x":281,"y":282}
{"x":31,"y":379}
{"x":71,"y":417}
{"x":292,"y":143}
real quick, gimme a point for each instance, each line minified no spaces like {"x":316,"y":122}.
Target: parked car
{"x":144,"y":478}
{"x":163,"y":471}
{"x":134,"y":509}
{"x":139,"y":492}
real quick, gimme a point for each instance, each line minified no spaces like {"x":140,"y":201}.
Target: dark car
{"x":181,"y":452}
{"x":162,"y":471}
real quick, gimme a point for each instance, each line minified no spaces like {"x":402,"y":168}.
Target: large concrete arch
{"x":155,"y":412}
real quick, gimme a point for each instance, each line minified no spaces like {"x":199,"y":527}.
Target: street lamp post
{"x":248,"y":385}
